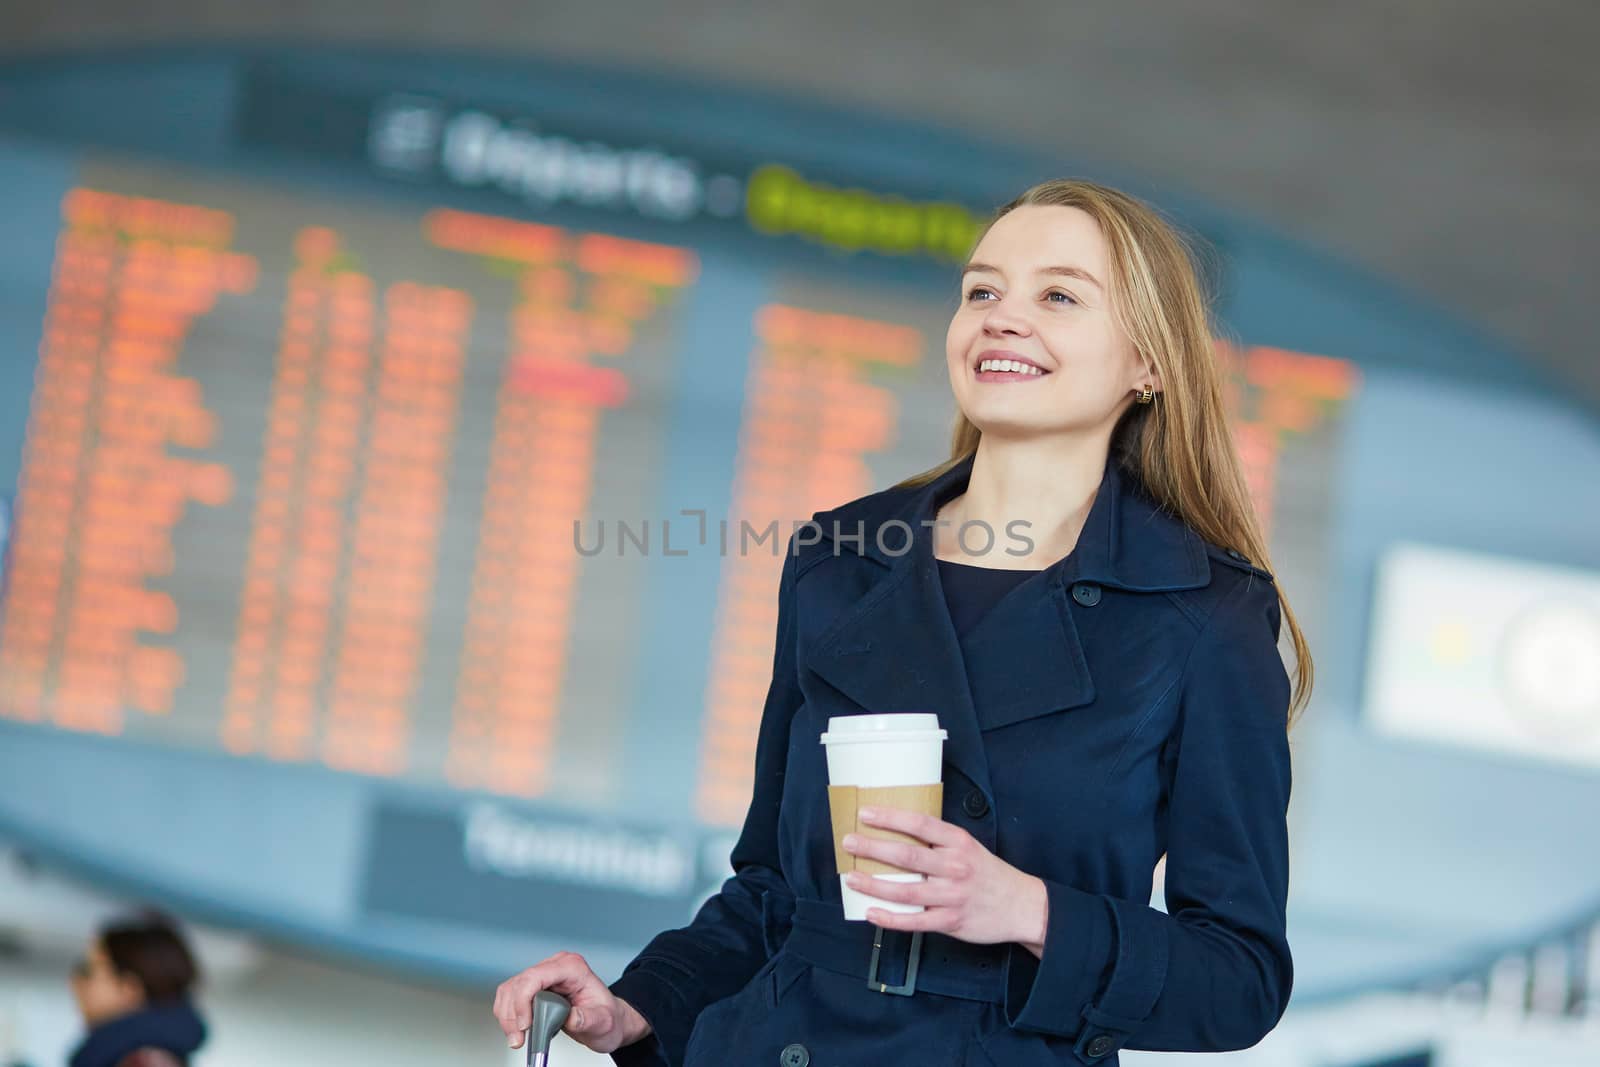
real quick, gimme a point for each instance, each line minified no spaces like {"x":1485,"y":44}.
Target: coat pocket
{"x":786,"y":969}
{"x":777,"y":915}
{"x":1000,"y":1045}
{"x":730,"y":1030}
{"x":726,"y":1023}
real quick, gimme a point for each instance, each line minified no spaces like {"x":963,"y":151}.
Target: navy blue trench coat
{"x":1126,"y":702}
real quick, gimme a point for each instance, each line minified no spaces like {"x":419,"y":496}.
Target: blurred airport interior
{"x":330,"y":338}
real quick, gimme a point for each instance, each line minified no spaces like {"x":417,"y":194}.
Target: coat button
{"x":1100,"y":1046}
{"x":975,"y":804}
{"x":1086,"y":594}
{"x":794,"y":1055}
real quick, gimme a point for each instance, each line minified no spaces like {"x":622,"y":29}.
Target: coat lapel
{"x":1024,"y":657}
{"x":895,"y":649}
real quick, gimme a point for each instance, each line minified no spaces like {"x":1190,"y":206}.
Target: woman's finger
{"x":933,"y":831}
{"x":936,"y":920}
{"x":895,"y":853}
{"x":927,"y":893}
{"x":505,"y":1003}
{"x":909,"y":857}
{"x":499,"y":1008}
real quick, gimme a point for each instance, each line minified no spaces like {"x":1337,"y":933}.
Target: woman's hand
{"x":600,"y":1020}
{"x":969,"y":893}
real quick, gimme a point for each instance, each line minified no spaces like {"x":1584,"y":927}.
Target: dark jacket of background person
{"x":1129,"y":701}
{"x":164,"y":1034}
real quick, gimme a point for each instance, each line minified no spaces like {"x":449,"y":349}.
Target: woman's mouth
{"x":1008,"y":370}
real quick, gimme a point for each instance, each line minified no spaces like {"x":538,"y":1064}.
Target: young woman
{"x":1082,"y":594}
{"x":133,"y":987}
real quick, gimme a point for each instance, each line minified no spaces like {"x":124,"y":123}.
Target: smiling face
{"x":1034,"y":348}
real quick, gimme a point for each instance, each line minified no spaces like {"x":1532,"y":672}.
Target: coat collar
{"x":895,"y":648}
{"x":1128,"y":541}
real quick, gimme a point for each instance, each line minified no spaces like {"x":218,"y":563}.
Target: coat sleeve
{"x":682,"y":971}
{"x":1213,"y":973}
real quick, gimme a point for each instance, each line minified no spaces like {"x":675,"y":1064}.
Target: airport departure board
{"x":312,"y":479}
{"x":397,"y":457}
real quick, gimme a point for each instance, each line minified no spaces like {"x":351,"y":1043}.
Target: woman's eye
{"x":971,"y":293}
{"x":1057,"y":292}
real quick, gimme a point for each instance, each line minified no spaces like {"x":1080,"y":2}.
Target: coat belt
{"x":947,"y":967}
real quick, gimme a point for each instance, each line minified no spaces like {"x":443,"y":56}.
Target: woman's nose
{"x":1003,"y":320}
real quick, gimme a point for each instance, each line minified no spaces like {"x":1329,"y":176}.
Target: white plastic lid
{"x":904,"y":726}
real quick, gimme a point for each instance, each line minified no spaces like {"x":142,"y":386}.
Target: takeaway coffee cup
{"x":892,"y":761}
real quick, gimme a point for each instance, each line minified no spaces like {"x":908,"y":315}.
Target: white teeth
{"x":1012,"y":365}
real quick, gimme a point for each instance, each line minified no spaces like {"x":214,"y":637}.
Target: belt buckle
{"x":912,"y":960}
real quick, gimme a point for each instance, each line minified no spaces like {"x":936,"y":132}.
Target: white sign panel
{"x":1488,"y":652}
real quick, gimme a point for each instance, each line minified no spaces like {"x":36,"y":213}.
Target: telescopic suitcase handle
{"x":550,"y":1012}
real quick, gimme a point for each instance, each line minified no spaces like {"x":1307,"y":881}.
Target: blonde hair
{"x":1179,"y":446}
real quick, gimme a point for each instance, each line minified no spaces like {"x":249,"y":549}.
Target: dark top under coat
{"x":971,"y":590}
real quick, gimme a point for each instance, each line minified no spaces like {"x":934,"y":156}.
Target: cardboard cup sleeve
{"x":845,"y":801}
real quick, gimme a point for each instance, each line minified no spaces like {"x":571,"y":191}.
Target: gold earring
{"x":1145,"y":395}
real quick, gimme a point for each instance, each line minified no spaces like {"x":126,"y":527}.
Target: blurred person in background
{"x":133,"y":990}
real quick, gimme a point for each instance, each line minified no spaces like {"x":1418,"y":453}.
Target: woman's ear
{"x":1147,"y":375}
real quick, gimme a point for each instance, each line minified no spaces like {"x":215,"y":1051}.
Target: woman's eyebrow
{"x":1070,"y":272}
